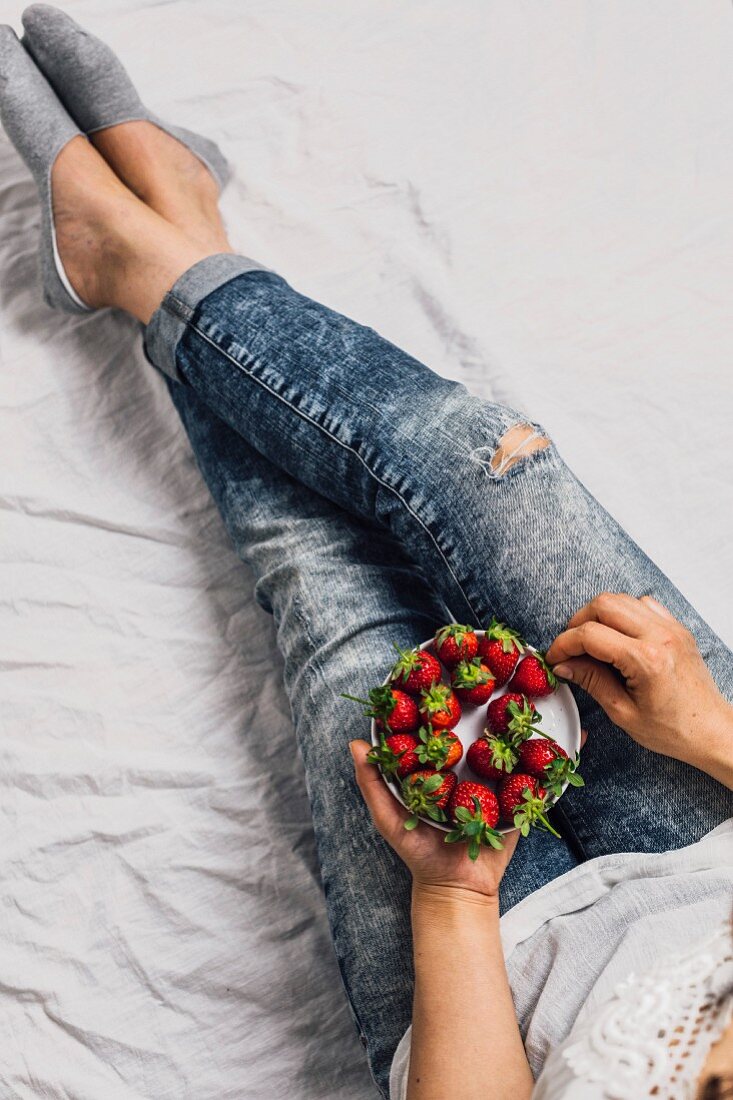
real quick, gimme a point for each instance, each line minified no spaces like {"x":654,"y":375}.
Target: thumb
{"x":387,"y":814}
{"x":600,"y":681}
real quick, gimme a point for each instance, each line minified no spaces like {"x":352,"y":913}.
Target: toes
{"x":9,"y":47}
{"x":44,"y":23}
{"x":38,"y":16}
{"x":8,"y":41}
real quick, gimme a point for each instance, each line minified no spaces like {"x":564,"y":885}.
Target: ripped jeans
{"x":374,"y":500}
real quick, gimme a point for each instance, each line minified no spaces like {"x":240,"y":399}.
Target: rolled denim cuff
{"x":167,"y":325}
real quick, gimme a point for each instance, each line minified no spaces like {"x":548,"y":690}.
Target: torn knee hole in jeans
{"x":517,"y":443}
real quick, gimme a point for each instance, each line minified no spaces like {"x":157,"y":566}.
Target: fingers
{"x":623,"y":613}
{"x":583,"y":737}
{"x":614,"y":609}
{"x":655,"y":605}
{"x":383,"y":806}
{"x":602,"y":684}
{"x":613,"y":628}
{"x":594,"y":639}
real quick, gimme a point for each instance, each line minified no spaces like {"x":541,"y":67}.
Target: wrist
{"x":465,"y":919}
{"x":712,"y":751}
{"x":444,"y":897}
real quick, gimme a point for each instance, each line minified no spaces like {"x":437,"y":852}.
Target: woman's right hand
{"x":644,"y":668}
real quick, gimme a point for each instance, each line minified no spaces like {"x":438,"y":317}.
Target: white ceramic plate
{"x":560,"y":718}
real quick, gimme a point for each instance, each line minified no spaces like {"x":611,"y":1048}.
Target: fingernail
{"x":564,"y":671}
{"x":351,"y":750}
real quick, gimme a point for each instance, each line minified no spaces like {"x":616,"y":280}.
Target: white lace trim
{"x":653,"y":1036}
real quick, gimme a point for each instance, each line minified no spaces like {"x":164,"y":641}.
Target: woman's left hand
{"x":431,"y":861}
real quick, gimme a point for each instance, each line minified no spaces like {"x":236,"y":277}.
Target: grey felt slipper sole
{"x":94,"y":86}
{"x":39,"y":128}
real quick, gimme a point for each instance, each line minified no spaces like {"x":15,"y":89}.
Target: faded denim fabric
{"x":359,"y":487}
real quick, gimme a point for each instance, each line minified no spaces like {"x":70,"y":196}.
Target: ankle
{"x":196,"y":215}
{"x":136,"y":278}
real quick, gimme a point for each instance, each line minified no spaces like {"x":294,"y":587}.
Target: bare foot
{"x":168,"y":178}
{"x":115,"y":250}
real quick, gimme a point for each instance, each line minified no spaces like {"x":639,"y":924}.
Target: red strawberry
{"x":473,"y":682}
{"x":426,"y":793}
{"x":463,"y":796}
{"x":395,"y":755}
{"x":440,"y":707}
{"x":500,"y":648}
{"x":416,"y":670}
{"x":454,"y":643}
{"x":512,"y":714}
{"x":537,"y":753}
{"x":523,"y":802}
{"x":474,"y":810}
{"x":438,"y":748}
{"x":534,"y":676}
{"x":394,"y":710}
{"x":549,"y":762}
{"x":491,"y":757}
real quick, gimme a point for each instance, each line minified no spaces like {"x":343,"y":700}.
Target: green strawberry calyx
{"x":421,"y":798}
{"x":531,"y":811}
{"x":561,"y":770}
{"x":434,"y":746}
{"x":435,"y":700}
{"x":504,"y":755}
{"x":453,"y":630}
{"x":380,"y":704}
{"x":409,"y":661}
{"x":523,"y":721}
{"x":470,"y":826}
{"x":386,"y":759}
{"x":500,"y":632}
{"x":471,"y":674}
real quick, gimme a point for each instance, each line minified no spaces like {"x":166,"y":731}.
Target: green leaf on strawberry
{"x":560,"y":771}
{"x":524,"y":721}
{"x":471,"y":826}
{"x":423,"y":795}
{"x":471,"y":674}
{"x":384,"y":757}
{"x":531,"y":812}
{"x":510,"y":639}
{"x":438,"y":747}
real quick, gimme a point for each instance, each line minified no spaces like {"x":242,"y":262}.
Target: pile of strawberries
{"x":415,"y":715}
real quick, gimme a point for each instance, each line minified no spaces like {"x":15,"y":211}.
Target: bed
{"x":532,"y":197}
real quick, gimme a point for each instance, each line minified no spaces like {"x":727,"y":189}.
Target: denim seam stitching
{"x":312,"y":676}
{"x":507,"y":421}
{"x":335,"y":439}
{"x":177,"y":308}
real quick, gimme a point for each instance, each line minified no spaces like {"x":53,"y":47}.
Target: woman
{"x":374,"y":500}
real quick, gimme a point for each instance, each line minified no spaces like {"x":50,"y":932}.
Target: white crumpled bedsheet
{"x":534,"y":197}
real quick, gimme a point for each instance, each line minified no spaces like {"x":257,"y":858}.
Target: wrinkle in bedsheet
{"x":534,"y":199}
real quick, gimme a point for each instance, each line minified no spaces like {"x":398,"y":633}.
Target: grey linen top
{"x":604,"y":958}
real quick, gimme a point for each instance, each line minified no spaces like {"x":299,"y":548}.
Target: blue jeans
{"x":358,"y":485}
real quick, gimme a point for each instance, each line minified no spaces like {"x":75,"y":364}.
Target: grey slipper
{"x":39,"y":128}
{"x":93,"y":85}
